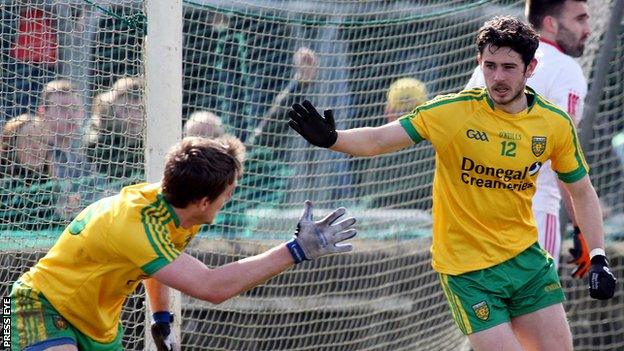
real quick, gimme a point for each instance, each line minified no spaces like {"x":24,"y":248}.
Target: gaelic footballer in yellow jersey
{"x":109,"y":248}
{"x":501,"y":286}
{"x":487,"y":163}
{"x":73,"y":297}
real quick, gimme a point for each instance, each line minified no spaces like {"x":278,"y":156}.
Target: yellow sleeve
{"x":436,"y":120}
{"x":147,"y":244}
{"x":414,"y":126}
{"x":567,"y":157}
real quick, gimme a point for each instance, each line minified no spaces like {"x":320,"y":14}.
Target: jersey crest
{"x":538,"y":145}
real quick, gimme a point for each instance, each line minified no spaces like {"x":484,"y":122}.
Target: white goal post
{"x":163,"y":105}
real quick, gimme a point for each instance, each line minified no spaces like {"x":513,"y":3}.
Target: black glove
{"x":601,"y":280}
{"x":580,"y":255}
{"x":161,"y":331}
{"x":306,"y":120}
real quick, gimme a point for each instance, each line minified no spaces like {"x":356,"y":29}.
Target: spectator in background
{"x":32,"y":57}
{"x":115,"y":138}
{"x":60,"y":115}
{"x":403,"y":96}
{"x":60,"y":118}
{"x":261,"y":185}
{"x":29,"y":192}
{"x":203,"y":124}
{"x":272,"y":162}
{"x":402,"y":179}
{"x":270,"y":130}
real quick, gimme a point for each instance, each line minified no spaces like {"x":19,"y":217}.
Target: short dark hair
{"x":198,"y":167}
{"x":508,"y":31}
{"x":536,"y":10}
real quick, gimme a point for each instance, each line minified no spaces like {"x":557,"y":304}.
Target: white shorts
{"x":548,"y":233}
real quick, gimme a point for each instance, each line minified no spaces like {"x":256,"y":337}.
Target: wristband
{"x":162,"y":317}
{"x":296,"y":251}
{"x":597,"y":251}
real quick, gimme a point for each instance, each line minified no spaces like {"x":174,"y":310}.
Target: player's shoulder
{"x":140,"y":200}
{"x":454,"y":100}
{"x":554,"y":113}
{"x":552,"y":62}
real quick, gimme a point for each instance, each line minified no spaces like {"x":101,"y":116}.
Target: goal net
{"x":244,"y":64}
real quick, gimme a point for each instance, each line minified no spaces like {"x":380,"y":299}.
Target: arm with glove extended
{"x":312,"y":239}
{"x":321,"y":131}
{"x":588,"y":216}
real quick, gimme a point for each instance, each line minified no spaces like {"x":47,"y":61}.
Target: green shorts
{"x":36,"y":325}
{"x":482,"y":299}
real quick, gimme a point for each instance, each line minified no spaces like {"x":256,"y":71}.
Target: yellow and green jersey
{"x":104,"y":253}
{"x":487,"y":162}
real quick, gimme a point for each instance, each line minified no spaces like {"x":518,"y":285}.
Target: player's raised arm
{"x":321,"y":131}
{"x":312,"y":239}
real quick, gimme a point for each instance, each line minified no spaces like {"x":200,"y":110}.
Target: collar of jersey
{"x":174,"y":216}
{"x":531,"y":97}
{"x":551,"y":43}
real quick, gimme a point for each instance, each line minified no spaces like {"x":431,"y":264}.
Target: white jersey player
{"x":563,"y":27}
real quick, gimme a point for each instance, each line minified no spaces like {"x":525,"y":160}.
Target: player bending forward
{"x":72,"y":298}
{"x":502,"y":288}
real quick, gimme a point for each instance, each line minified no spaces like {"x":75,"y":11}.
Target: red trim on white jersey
{"x":550,"y":232}
{"x":573,"y":100}
{"x":552,"y":43}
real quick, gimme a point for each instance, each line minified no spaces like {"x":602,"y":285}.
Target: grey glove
{"x":320,"y":238}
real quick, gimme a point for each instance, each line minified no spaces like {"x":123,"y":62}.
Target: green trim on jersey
{"x":411,"y":131}
{"x":448,"y":99}
{"x":573,"y":176}
{"x":532,"y":101}
{"x":465,"y":95}
{"x":154,"y":218}
{"x":154,"y":266}
{"x":174,"y":216}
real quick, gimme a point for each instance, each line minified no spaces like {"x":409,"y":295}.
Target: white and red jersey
{"x":559,"y":79}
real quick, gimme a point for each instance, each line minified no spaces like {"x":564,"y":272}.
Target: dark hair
{"x":536,"y":10}
{"x":198,"y":167}
{"x":508,"y":31}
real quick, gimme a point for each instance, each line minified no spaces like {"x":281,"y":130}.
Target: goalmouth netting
{"x":243,"y":64}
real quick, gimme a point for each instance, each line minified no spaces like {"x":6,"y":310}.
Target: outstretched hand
{"x":315,"y":239}
{"x":316,"y":129}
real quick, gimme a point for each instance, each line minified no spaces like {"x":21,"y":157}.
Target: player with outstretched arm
{"x":501,"y":287}
{"x":563,"y":26}
{"x":72,"y":298}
